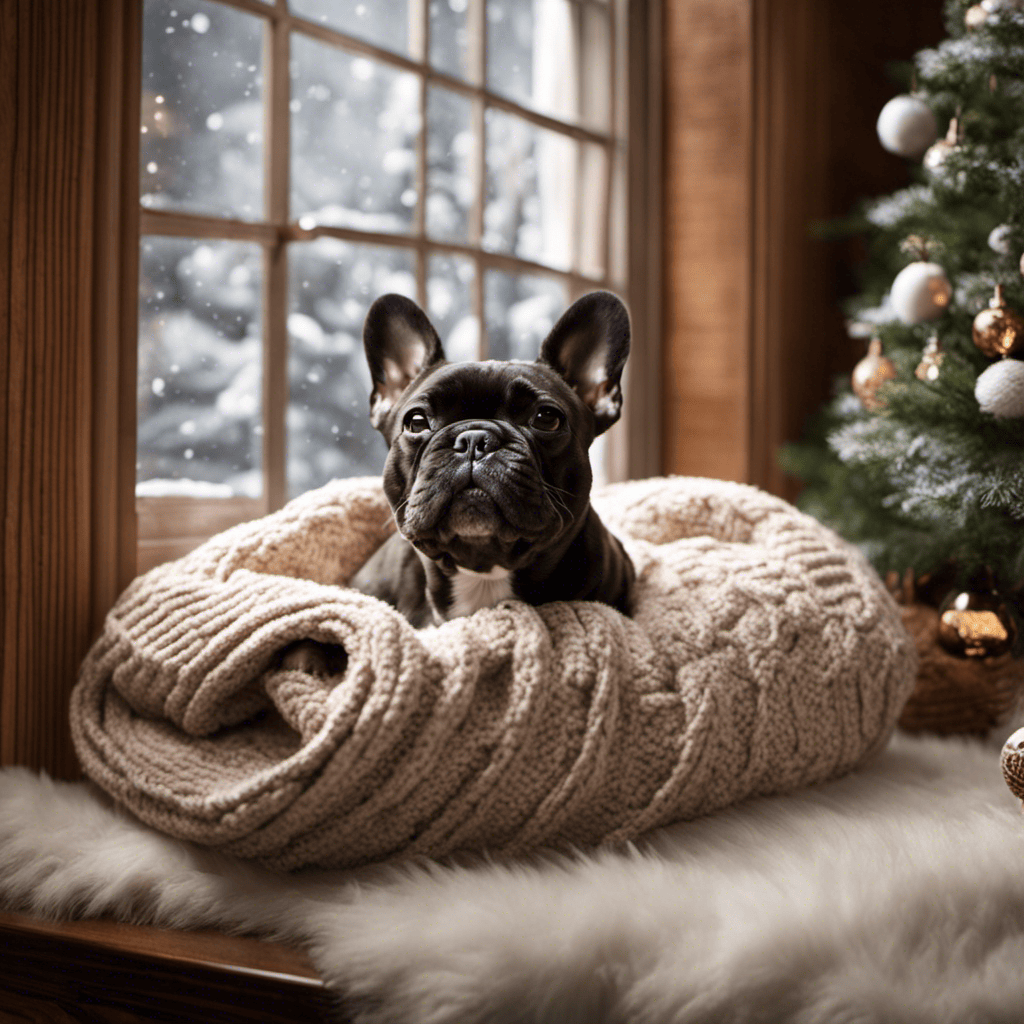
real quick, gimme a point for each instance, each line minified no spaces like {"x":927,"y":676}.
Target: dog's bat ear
{"x":399,"y":342}
{"x":588,"y":348}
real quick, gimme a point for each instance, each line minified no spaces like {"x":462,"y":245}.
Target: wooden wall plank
{"x":115,"y":305}
{"x":46,"y":189}
{"x":708,"y":142}
{"x":51,"y":489}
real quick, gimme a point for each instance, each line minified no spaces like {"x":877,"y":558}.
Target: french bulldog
{"x":488,"y":473}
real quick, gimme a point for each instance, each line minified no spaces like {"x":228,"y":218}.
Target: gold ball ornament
{"x":931,"y":359}
{"x":870,"y":374}
{"x":998,"y":331}
{"x":975,"y":624}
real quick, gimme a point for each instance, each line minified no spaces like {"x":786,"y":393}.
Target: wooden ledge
{"x":110,"y":972}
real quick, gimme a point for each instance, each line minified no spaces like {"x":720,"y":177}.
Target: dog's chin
{"x":472,"y":533}
{"x":473,"y":515}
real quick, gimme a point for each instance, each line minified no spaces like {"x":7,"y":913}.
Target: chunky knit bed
{"x":763,"y":654}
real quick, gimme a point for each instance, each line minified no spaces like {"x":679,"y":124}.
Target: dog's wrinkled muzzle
{"x":478,"y":491}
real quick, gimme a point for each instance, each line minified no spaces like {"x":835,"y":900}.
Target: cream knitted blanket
{"x":763,"y":654}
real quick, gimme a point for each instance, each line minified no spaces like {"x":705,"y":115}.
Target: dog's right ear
{"x":399,"y":342}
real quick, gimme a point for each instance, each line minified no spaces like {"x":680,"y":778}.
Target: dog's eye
{"x":546,"y":418}
{"x":416,"y":423}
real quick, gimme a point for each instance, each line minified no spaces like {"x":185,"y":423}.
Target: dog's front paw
{"x":315,"y":658}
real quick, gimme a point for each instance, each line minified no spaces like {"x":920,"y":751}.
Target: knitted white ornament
{"x":920,"y":292}
{"x":906,"y":126}
{"x":1000,"y":389}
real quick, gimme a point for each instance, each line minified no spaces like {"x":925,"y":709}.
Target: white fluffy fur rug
{"x":895,"y":894}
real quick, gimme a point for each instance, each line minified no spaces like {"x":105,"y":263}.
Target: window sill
{"x":101,"y":971}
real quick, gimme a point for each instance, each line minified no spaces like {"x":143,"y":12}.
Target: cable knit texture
{"x":763,"y":654}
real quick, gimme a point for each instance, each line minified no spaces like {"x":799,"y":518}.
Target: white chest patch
{"x":474,"y":590}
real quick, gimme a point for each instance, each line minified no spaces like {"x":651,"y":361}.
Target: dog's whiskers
{"x":560,"y":490}
{"x":557,"y":504}
{"x":392,"y":516}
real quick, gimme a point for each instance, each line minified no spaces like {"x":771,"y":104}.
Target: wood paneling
{"x":46,"y":180}
{"x":707,"y":204}
{"x":770,"y":108}
{"x":57,"y":244}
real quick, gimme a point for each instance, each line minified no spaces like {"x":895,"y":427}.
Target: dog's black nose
{"x":476,"y":443}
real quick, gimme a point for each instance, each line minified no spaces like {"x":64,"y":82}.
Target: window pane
{"x":354,"y":127}
{"x":201,"y":148}
{"x":531,"y":54}
{"x":450,"y":305}
{"x":200,"y":368}
{"x":531,"y":176}
{"x":384,"y":24}
{"x":450,"y":191}
{"x":520,"y":312}
{"x":449,"y":36}
{"x":332,"y":284}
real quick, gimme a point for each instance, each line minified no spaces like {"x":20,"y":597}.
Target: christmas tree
{"x":919,"y":458}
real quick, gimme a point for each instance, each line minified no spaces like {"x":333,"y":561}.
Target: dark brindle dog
{"x":488,"y":473}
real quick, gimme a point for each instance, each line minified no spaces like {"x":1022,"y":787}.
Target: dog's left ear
{"x":399,"y":342}
{"x":588,"y":347}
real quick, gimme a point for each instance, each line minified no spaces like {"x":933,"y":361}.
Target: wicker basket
{"x":953,"y":694}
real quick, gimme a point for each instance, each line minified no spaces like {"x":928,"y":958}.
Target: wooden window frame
{"x":171,"y":526}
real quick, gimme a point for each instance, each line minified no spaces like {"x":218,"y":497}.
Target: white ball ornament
{"x":920,"y":292}
{"x":999,"y":239}
{"x":997,"y":6}
{"x":906,"y":126}
{"x":1000,"y":389}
